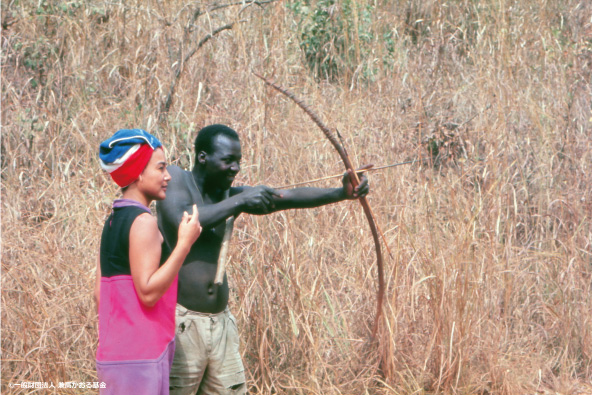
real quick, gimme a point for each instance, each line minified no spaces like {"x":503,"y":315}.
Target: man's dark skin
{"x":213,"y":174}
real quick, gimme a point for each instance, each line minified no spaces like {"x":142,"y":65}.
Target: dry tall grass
{"x":489,"y":282}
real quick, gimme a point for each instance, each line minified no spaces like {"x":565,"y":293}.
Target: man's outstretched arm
{"x":310,"y":197}
{"x":259,"y":200}
{"x":179,"y":199}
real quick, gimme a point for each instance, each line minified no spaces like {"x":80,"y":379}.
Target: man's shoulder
{"x":176,"y":170}
{"x":178,"y":186}
{"x":179,"y":177}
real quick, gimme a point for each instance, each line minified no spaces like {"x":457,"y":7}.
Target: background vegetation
{"x":491,"y":238}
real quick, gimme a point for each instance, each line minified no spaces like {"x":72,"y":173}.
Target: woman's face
{"x":154,"y":179}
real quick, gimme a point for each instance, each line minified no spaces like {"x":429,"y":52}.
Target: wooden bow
{"x":355,"y":182}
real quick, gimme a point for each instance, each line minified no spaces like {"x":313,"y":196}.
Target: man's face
{"x":223,"y":163}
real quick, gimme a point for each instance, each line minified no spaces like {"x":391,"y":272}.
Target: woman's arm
{"x":151,"y":280}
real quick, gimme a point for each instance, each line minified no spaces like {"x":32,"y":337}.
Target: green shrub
{"x":335,"y":36}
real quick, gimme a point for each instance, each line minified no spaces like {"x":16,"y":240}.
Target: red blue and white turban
{"x":125,"y":154}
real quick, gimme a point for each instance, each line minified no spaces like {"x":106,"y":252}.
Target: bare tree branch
{"x":245,"y":3}
{"x":166,"y":104}
{"x":182,"y":59}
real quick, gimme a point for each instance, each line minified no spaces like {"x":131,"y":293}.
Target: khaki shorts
{"x":207,"y":358}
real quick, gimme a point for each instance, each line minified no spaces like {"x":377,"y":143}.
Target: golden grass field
{"x":488,"y":289}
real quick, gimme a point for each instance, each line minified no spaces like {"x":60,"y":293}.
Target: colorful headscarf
{"x":125,"y":154}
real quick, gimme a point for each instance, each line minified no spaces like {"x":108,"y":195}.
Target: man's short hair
{"x":205,"y":137}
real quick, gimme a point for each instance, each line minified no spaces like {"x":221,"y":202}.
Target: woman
{"x":135,"y":292}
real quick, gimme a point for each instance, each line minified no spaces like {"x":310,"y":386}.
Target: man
{"x":207,"y":358}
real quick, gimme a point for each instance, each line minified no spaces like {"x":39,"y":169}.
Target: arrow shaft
{"x":359,"y":170}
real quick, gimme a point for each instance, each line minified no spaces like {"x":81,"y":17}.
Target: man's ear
{"x":201,"y":157}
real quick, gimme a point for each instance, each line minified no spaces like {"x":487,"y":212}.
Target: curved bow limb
{"x":355,"y":182}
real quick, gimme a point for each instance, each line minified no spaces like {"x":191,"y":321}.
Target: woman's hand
{"x":189,"y":228}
